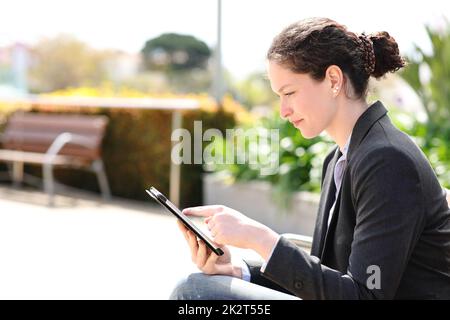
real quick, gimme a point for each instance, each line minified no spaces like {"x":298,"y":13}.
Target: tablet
{"x":159,"y":197}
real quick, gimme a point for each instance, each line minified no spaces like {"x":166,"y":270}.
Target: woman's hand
{"x":206,"y":260}
{"x":230,"y":227}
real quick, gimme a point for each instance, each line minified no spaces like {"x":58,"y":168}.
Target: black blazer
{"x":391,"y":213}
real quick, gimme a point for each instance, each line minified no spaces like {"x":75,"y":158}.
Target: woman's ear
{"x":335,"y":77}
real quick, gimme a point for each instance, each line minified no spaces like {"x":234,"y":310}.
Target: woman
{"x":383,"y":227}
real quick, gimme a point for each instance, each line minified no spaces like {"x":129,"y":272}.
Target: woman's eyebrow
{"x":283,"y":87}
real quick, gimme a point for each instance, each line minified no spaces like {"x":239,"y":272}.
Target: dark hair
{"x":312,"y":45}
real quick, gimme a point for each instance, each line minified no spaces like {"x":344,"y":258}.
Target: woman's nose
{"x":285,"y":110}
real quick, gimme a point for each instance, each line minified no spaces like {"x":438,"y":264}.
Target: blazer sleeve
{"x":256,"y":276}
{"x":389,"y":205}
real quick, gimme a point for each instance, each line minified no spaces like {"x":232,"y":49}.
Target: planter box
{"x":254,"y":199}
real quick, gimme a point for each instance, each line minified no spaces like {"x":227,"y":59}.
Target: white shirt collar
{"x":344,"y":150}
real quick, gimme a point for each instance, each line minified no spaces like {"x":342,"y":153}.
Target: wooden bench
{"x":54,"y":140}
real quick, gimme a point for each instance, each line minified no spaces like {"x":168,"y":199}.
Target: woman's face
{"x":307,"y":103}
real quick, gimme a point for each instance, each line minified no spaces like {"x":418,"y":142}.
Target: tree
{"x":175,"y":52}
{"x":64,"y":61}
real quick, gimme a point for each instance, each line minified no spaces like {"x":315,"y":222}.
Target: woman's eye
{"x":289,"y":93}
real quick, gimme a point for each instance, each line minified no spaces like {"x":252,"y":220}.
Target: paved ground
{"x":84,"y":248}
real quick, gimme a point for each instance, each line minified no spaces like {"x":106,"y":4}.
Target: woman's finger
{"x":201,"y":254}
{"x":193,"y":244}
{"x":182,"y":228}
{"x":181,"y":225}
{"x":217,"y":237}
{"x":203,"y":211}
{"x":210,"y":224}
{"x":213,"y":232}
{"x":211,"y":260}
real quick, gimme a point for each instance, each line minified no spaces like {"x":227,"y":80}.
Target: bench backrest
{"x":35,"y":132}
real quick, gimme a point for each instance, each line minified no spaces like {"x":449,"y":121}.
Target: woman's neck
{"x":348,"y":112}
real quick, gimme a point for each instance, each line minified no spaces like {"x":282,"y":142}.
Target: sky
{"x":248,"y":26}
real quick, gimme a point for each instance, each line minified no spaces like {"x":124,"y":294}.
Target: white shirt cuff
{"x":263,"y":267}
{"x":246,"y":276}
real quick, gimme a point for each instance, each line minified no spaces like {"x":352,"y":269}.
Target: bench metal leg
{"x":17,"y":173}
{"x":49,"y":186}
{"x":99,"y":169}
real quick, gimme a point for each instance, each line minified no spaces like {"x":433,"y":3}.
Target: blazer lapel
{"x":325,"y":203}
{"x":363,"y":125}
{"x":333,"y":221}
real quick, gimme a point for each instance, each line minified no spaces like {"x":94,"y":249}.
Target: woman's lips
{"x":296,"y":123}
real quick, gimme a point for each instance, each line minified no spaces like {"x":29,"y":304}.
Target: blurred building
{"x":14,"y":63}
{"x":122,"y":65}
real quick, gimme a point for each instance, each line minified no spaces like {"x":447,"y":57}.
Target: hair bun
{"x":386,"y":53}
